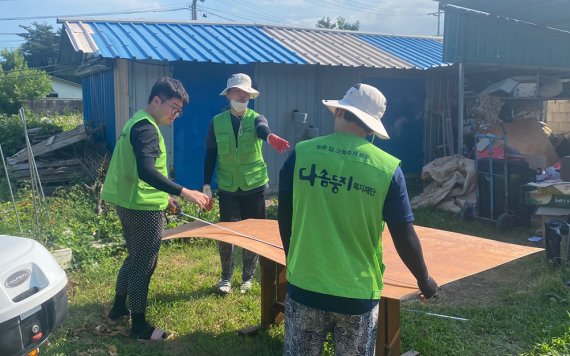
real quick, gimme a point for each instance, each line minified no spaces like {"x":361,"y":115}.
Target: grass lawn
{"x":518,"y":308}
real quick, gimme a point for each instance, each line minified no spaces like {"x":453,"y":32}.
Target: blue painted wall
{"x":404,"y":119}
{"x":203,"y":82}
{"x":99,"y":106}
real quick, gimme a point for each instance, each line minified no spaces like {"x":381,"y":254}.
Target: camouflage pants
{"x":236,"y":208}
{"x":306,"y":329}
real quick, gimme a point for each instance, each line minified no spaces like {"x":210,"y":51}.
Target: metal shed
{"x":293,"y":68}
{"x":491,"y":41}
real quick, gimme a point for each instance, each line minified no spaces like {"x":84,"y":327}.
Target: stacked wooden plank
{"x":50,"y":171}
{"x":56,"y":159}
{"x":53,"y":143}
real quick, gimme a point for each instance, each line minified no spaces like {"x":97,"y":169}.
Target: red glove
{"x":278,"y":143}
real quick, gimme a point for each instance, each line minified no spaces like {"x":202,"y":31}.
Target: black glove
{"x":428,"y":288}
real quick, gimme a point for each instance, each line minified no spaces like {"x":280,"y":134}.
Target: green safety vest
{"x":122,"y":184}
{"x":240,"y":165}
{"x":339,"y":186}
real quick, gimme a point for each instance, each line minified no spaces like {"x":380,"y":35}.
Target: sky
{"x":404,"y":17}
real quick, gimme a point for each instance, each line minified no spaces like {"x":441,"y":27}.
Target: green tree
{"x":18,"y":82}
{"x":42,"y":45}
{"x":340,"y":24}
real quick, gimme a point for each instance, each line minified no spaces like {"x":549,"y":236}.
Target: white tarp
{"x":454,"y":182}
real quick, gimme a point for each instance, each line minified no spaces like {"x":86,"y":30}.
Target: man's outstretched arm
{"x":409,"y":249}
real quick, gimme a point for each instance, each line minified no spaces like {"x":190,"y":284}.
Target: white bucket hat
{"x":367,"y":103}
{"x":243,"y":82}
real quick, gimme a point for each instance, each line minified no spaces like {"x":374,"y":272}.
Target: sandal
{"x":146,"y":335}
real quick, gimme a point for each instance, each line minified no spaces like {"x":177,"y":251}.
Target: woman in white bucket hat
{"x":234,"y":140}
{"x":343,"y":189}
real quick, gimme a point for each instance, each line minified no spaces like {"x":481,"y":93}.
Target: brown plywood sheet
{"x":264,"y":230}
{"x":449,"y":256}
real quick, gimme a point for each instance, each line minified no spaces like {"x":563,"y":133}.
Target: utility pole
{"x":194,"y":10}
{"x":438,"y":14}
{"x":438,"y":21}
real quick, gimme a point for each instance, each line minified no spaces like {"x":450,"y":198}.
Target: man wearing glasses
{"x":137,"y":183}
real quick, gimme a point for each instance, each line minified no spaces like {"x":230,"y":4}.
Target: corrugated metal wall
{"x":203,"y":82}
{"x":121,"y":77}
{"x":474,"y":37}
{"x":302,"y":88}
{"x":403,"y":119}
{"x":285,"y":88}
{"x":141,"y":76}
{"x":99,"y":106}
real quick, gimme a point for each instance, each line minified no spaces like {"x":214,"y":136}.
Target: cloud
{"x":389,"y":16}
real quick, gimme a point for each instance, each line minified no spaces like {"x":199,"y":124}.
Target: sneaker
{"x":225,"y":286}
{"x":245,"y":286}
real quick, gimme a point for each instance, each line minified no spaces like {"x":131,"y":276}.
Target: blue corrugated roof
{"x":245,"y":44}
{"x":421,"y":52}
{"x":188,"y":42}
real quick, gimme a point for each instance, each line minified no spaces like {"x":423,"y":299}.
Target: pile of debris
{"x":59,"y":159}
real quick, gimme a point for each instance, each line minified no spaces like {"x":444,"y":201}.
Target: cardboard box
{"x":551,"y":187}
{"x":549,"y":200}
{"x":547,"y":213}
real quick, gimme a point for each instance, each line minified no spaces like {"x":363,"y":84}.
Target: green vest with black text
{"x":339,"y":186}
{"x":240,"y":165}
{"x":122,"y":184}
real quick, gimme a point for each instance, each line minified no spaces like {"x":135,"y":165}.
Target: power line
{"x":236,"y":15}
{"x":48,"y":66}
{"x":264,"y":13}
{"x":222,"y":17}
{"x":355,"y":6}
{"x":147,"y":10}
{"x":35,"y":74}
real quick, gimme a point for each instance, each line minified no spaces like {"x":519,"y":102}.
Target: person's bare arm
{"x":409,"y":249}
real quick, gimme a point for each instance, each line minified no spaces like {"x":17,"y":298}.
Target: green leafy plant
{"x":19,"y":82}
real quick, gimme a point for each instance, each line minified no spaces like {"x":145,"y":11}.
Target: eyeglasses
{"x":174,"y":110}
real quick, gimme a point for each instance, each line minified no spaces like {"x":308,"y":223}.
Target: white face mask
{"x":239,"y":107}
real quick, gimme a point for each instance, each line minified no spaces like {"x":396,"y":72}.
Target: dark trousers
{"x":236,"y":208}
{"x":142,"y":231}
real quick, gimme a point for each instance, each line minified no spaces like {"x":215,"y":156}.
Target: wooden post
{"x":388,"y":337}
{"x":279,"y":306}
{"x":268,"y":290}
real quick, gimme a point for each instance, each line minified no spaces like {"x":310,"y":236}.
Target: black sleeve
{"x":211,"y":154}
{"x":285,"y":208}
{"x":144,"y":139}
{"x":210,"y":141}
{"x":209,"y":164}
{"x":409,"y":249}
{"x":262,"y":127}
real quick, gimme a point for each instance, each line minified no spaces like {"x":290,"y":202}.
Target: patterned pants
{"x":306,"y":330}
{"x":236,"y":208}
{"x":142,"y":231}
